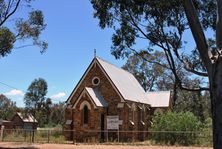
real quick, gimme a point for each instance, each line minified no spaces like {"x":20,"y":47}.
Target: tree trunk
{"x":216,"y":103}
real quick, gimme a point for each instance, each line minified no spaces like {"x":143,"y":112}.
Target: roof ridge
{"x":113,"y":65}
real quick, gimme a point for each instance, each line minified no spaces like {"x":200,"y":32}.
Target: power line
{"x":10,"y":86}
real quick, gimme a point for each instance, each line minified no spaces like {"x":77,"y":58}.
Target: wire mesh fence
{"x":203,"y":138}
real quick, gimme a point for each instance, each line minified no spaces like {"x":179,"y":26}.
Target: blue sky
{"x":72,"y":34}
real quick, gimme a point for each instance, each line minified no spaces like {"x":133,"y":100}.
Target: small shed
{"x":24,"y":121}
{"x":6,"y":124}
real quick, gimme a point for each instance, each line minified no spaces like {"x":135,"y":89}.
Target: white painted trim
{"x":94,"y":79}
{"x":95,"y":61}
{"x":80,"y":82}
{"x":85,"y":103}
{"x":83,"y":93}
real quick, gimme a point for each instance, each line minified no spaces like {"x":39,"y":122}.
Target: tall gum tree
{"x":163,"y":25}
{"x":16,"y":28}
{"x":213,"y":64}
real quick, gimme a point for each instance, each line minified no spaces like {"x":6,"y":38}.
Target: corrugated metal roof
{"x":27,"y":118}
{"x":96,"y":97}
{"x":159,"y":99}
{"x":127,"y":86}
{"x":125,"y":82}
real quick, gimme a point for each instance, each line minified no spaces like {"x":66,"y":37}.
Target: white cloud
{"x":58,"y":95}
{"x":15,"y":92}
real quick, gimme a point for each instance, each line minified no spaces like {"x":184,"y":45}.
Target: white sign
{"x":113,"y":122}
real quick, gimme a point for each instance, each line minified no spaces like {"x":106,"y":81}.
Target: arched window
{"x":85,"y":115}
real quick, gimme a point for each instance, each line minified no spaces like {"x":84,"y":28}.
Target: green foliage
{"x":41,"y":107}
{"x":7,"y":39}
{"x":36,"y":101}
{"x":57,"y":114}
{"x":7,"y":108}
{"x":32,"y":28}
{"x":161,"y":22}
{"x":20,"y":29}
{"x":54,"y":136}
{"x":35,"y":95}
{"x":175,"y":128}
{"x":206,"y":138}
{"x":150,"y":70}
{"x":157,"y":26}
{"x":195,"y":102}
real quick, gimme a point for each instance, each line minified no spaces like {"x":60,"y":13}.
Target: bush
{"x":206,"y":136}
{"x":175,"y":128}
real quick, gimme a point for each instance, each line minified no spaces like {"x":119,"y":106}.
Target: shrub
{"x":206,"y":138}
{"x":175,"y":128}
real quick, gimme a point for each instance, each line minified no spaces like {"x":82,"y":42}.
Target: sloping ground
{"x":13,"y":145}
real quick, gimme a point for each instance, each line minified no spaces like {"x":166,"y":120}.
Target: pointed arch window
{"x":85,"y":115}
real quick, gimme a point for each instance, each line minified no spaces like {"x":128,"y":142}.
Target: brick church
{"x":107,"y":102}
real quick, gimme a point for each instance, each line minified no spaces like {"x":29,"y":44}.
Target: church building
{"x":109,"y":103}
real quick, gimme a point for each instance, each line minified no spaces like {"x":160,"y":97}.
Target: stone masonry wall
{"x":91,"y":131}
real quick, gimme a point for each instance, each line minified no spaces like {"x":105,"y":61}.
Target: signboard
{"x":113,"y":122}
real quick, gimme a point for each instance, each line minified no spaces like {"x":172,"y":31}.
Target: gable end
{"x":92,"y":64}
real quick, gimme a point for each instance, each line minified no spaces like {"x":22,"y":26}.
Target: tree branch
{"x":202,"y":46}
{"x":190,"y":69}
{"x":10,"y":14}
{"x":195,"y":89}
{"x":197,"y":32}
{"x":139,"y":29}
{"x":195,"y":72}
{"x":23,"y":46}
{"x":145,"y":59}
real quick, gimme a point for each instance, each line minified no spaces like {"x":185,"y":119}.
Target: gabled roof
{"x":96,"y":97}
{"x":125,"y":82}
{"x":126,"y":86}
{"x":27,"y":118}
{"x":159,"y":98}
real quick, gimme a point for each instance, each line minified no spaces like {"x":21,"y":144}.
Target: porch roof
{"x":96,"y":97}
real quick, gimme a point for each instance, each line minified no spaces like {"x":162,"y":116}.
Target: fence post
{"x":24,"y":135}
{"x":2,"y":131}
{"x":107,"y":136}
{"x":48,"y":135}
{"x":118,"y":135}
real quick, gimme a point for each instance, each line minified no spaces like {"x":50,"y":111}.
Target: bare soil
{"x":13,"y":145}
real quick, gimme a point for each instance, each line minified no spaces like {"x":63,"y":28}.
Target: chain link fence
{"x":186,"y":138}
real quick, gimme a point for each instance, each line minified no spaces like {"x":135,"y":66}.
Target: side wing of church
{"x":106,"y":99}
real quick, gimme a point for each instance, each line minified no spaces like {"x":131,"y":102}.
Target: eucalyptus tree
{"x":14,"y":28}
{"x":166,"y":26}
{"x":147,"y":72}
{"x":7,"y":108}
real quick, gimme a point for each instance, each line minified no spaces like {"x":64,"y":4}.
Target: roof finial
{"x":94,"y":53}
